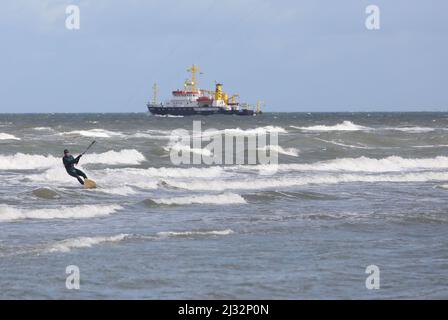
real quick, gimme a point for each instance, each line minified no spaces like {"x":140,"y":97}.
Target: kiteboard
{"x":89,"y":184}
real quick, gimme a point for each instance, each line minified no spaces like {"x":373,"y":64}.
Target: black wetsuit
{"x":69,"y":163}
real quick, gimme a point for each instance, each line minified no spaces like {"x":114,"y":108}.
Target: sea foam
{"x":221,"y":199}
{"x":10,"y":213}
{"x":21,"y":161}
{"x":7,"y":136}
{"x":364,"y":164}
{"x":284,"y":182}
{"x":195,"y":233}
{"x":344,"y":126}
{"x":83,"y":242}
{"x":94,"y":133}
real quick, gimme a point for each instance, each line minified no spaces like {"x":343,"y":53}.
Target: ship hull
{"x":190,"y":111}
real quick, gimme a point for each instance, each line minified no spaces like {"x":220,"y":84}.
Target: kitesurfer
{"x":69,"y":164}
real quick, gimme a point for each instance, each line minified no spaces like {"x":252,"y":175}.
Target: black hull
{"x":191,"y":111}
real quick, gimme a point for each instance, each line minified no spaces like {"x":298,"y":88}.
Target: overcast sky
{"x":311,"y":55}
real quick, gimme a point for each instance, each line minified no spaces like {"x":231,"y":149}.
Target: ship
{"x":194,"y":101}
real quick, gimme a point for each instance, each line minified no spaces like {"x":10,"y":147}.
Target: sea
{"x":356,"y":208}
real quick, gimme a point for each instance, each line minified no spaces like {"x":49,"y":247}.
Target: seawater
{"x":351,"y":190}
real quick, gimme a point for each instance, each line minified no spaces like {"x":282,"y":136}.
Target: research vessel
{"x":194,"y":101}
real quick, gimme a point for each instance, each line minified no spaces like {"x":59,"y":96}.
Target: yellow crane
{"x":233,"y":96}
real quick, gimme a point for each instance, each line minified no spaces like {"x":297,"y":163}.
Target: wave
{"x":285,"y":195}
{"x":221,"y":199}
{"x":168,"y":116}
{"x":254,"y":184}
{"x":43,"y":129}
{"x":413,"y":129}
{"x":179,"y":147}
{"x":21,"y":161}
{"x":9,"y":213}
{"x":143,"y":135}
{"x":343,"y":144}
{"x":122,"y":157}
{"x":83,"y":242}
{"x":167,"y":135}
{"x":293,"y":152}
{"x":195,"y":233}
{"x":118,"y":191}
{"x":7,"y":136}
{"x":208,"y":172}
{"x":140,"y":178}
{"x":246,"y":132}
{"x":431,"y":146}
{"x":94,"y":133}
{"x":363,"y":164}
{"x":344,"y":126}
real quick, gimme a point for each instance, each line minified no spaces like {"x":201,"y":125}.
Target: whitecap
{"x":94,"y":133}
{"x":11,"y":213}
{"x":284,"y":182}
{"x":7,"y":136}
{"x":293,"y":152}
{"x":83,"y":242}
{"x":220,"y":199}
{"x":195,"y":233}
{"x":344,"y":126}
{"x":21,"y":161}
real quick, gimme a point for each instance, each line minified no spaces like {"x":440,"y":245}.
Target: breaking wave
{"x":119,"y":191}
{"x":413,"y":129}
{"x":179,"y":147}
{"x":344,"y":126}
{"x":9,"y":213}
{"x":195,"y":233}
{"x":21,"y":161}
{"x":43,"y":129}
{"x":83,"y":242}
{"x":7,"y":136}
{"x":248,"y":132}
{"x":251,"y":184}
{"x":94,"y":133}
{"x":126,"y":156}
{"x":293,"y":152}
{"x":364,"y":164}
{"x":208,"y":172}
{"x":344,"y":144}
{"x":168,"y":116}
{"x":221,"y":199}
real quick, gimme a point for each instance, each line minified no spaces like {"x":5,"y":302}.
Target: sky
{"x":296,"y":55}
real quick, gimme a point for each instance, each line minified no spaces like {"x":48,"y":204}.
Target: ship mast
{"x":259,"y":103}
{"x":193,"y":70}
{"x":154,"y":93}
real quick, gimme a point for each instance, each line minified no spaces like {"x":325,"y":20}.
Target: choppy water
{"x":352,"y":190}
